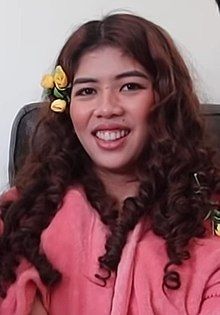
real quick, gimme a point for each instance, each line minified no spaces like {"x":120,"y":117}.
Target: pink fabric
{"x":21,"y":294}
{"x":73,"y":242}
{"x":10,"y":195}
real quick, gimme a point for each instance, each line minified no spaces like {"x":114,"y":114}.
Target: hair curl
{"x":174,"y":151}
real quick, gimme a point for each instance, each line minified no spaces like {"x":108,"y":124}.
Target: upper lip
{"x":112,"y":126}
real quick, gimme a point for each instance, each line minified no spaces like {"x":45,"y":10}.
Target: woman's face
{"x":111,"y":98}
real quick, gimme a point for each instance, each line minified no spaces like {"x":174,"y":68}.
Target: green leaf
{"x":57,"y":93}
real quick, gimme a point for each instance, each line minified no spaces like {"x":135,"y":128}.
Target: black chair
{"x":27,"y":117}
{"x":212,"y":118}
{"x":22,"y":129}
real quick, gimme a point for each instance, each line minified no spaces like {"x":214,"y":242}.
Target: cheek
{"x":141,"y":112}
{"x":72,"y":115}
{"x":77,"y":116}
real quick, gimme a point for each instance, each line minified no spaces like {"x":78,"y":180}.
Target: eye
{"x":85,"y":92}
{"x":132,"y":86}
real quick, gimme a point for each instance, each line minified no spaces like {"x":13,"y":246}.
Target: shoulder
{"x":207,"y":273}
{"x":10,"y":195}
{"x":74,"y":231}
{"x":75,"y":211}
{"x":7,"y":197}
{"x":205,"y":253}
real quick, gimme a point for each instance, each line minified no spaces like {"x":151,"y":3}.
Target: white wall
{"x":33,"y":31}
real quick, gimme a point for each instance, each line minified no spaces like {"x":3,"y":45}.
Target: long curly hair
{"x":168,"y":194}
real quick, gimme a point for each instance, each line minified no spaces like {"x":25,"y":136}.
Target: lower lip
{"x":111,"y":145}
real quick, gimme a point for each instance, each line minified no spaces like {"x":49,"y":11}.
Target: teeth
{"x":111,"y":135}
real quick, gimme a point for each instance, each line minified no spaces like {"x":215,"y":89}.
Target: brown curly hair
{"x":174,"y":151}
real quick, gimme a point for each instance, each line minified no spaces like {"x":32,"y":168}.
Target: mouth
{"x":111,"y":135}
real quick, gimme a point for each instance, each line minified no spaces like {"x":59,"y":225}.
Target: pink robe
{"x":73,"y":242}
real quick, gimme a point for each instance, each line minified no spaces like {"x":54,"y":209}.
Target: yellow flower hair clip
{"x":216,"y":221}
{"x":57,"y":85}
{"x":58,"y":106}
{"x":214,"y":211}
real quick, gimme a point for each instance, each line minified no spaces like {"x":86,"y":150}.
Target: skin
{"x":112,"y":92}
{"x":38,"y":308}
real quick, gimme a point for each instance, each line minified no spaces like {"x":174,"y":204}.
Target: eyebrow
{"x":133,"y":73}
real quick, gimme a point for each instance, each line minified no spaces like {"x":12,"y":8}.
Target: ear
{"x":218,"y":3}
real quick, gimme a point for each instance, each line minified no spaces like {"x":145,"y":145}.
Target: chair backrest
{"x":212,"y":118}
{"x":22,"y":129}
{"x":26,"y":120}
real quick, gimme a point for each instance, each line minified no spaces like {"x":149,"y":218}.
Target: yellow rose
{"x":60,"y":78}
{"x":217,"y":230}
{"x":58,"y":106}
{"x":47,"y":81}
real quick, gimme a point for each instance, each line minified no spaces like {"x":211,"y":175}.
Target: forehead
{"x":106,"y":61}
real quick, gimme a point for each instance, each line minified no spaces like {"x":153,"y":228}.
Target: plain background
{"x":33,"y":31}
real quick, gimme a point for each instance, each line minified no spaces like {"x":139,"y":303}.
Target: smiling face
{"x":110,"y":102}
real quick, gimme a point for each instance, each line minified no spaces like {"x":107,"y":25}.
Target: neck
{"x":119,"y":186}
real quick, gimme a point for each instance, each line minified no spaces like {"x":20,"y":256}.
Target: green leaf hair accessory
{"x":57,"y":93}
{"x":57,"y":86}
{"x":216,"y":221}
{"x":214,"y":211}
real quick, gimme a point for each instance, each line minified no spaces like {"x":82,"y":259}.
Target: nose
{"x":109,"y":105}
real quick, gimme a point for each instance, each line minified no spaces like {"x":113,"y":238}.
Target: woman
{"x":109,"y":211}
